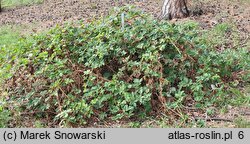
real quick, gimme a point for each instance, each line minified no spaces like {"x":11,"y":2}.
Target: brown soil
{"x":51,"y":12}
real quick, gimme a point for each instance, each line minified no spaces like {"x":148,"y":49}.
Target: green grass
{"x":241,"y":122}
{"x":13,"y":3}
{"x":9,"y":34}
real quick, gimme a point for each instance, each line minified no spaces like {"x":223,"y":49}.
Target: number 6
{"x":241,"y":135}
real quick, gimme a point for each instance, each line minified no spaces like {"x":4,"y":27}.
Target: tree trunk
{"x":174,"y":9}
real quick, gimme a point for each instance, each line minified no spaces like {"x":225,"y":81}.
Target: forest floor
{"x":24,"y":20}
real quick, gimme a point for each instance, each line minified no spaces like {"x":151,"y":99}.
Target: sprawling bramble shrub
{"x":101,"y":69}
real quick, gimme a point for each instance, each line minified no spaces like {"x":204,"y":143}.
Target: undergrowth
{"x":75,"y":75}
